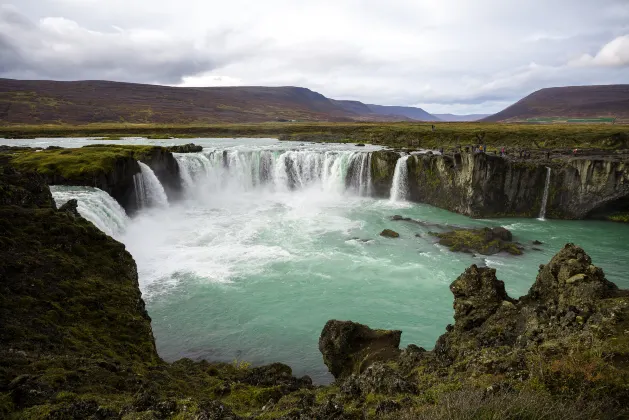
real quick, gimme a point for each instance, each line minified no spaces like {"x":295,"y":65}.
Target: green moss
{"x":619,"y":217}
{"x":478,"y":240}
{"x":84,"y":162}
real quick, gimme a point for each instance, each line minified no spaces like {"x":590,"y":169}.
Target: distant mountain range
{"x":81,"y":102}
{"x":571,"y":102}
{"x":37,"y":101}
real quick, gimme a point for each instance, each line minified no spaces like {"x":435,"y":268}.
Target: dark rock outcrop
{"x":348,"y":347}
{"x":570,"y":283}
{"x":388,"y":233}
{"x":568,"y":298}
{"x":166,"y":168}
{"x":382,"y":169}
{"x":71,"y":207}
{"x":185,"y":148}
{"x":27,"y":190}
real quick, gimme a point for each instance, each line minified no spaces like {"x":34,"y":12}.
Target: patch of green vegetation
{"x":619,"y":217}
{"x":396,"y":135}
{"x":85,"y":162}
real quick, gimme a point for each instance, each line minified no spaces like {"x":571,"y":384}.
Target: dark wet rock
{"x":570,"y":280}
{"x":485,"y":241}
{"x":360,"y":145}
{"x":185,"y":148}
{"x":387,"y":407}
{"x":536,"y":242}
{"x":388,"y":233}
{"x":376,"y":379}
{"x":276,"y":375}
{"x":349,"y":347}
{"x":536,"y":249}
{"x":80,"y":410}
{"x":477,"y":295}
{"x":23,"y":189}
{"x":215,"y":410}
{"x":54,"y":147}
{"x":71,"y":207}
{"x":495,"y":334}
{"x":502,"y":233}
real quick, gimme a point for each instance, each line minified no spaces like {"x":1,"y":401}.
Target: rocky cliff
{"x":484,"y":185}
{"x":109,"y":167}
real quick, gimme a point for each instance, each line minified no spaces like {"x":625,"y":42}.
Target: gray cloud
{"x":450,"y":56}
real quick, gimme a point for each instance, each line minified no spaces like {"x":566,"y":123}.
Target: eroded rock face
{"x":349,"y":347}
{"x":483,"y":185}
{"x":493,"y":331}
{"x":570,"y":280}
{"x":477,"y":295}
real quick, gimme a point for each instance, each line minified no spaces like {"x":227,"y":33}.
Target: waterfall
{"x":399,"y":188}
{"x":149,"y":192}
{"x":542,"y":211}
{"x":96,"y":206}
{"x":277,"y":170}
{"x":192,"y":166}
{"x":359,"y":173}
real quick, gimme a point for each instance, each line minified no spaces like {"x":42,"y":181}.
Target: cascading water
{"x":359,"y":174}
{"x":149,"y":192}
{"x":191,"y":167}
{"x":96,"y":206}
{"x":399,"y":188}
{"x":277,"y":170}
{"x":542,"y":211}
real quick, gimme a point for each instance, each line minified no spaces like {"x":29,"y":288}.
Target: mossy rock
{"x":485,"y":241}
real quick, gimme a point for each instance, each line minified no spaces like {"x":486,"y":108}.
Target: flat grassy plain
{"x":399,"y":135}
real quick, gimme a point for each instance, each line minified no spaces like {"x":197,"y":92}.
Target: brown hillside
{"x":571,"y":102}
{"x":81,"y":102}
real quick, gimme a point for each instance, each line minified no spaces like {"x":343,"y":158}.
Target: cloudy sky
{"x":456,"y":56}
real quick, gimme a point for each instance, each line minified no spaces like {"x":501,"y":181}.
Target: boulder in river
{"x":485,"y":241}
{"x":388,"y":233}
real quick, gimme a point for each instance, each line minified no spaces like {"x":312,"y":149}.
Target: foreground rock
{"x":485,"y":241}
{"x":349,"y":347}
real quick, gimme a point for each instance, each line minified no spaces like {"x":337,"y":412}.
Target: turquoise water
{"x":249,"y":272}
{"x":257,"y":277}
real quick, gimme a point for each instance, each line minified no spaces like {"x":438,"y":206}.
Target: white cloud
{"x":613,"y":54}
{"x":452,"y":54}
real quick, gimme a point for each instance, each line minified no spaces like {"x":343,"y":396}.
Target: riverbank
{"x":397,"y":135}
